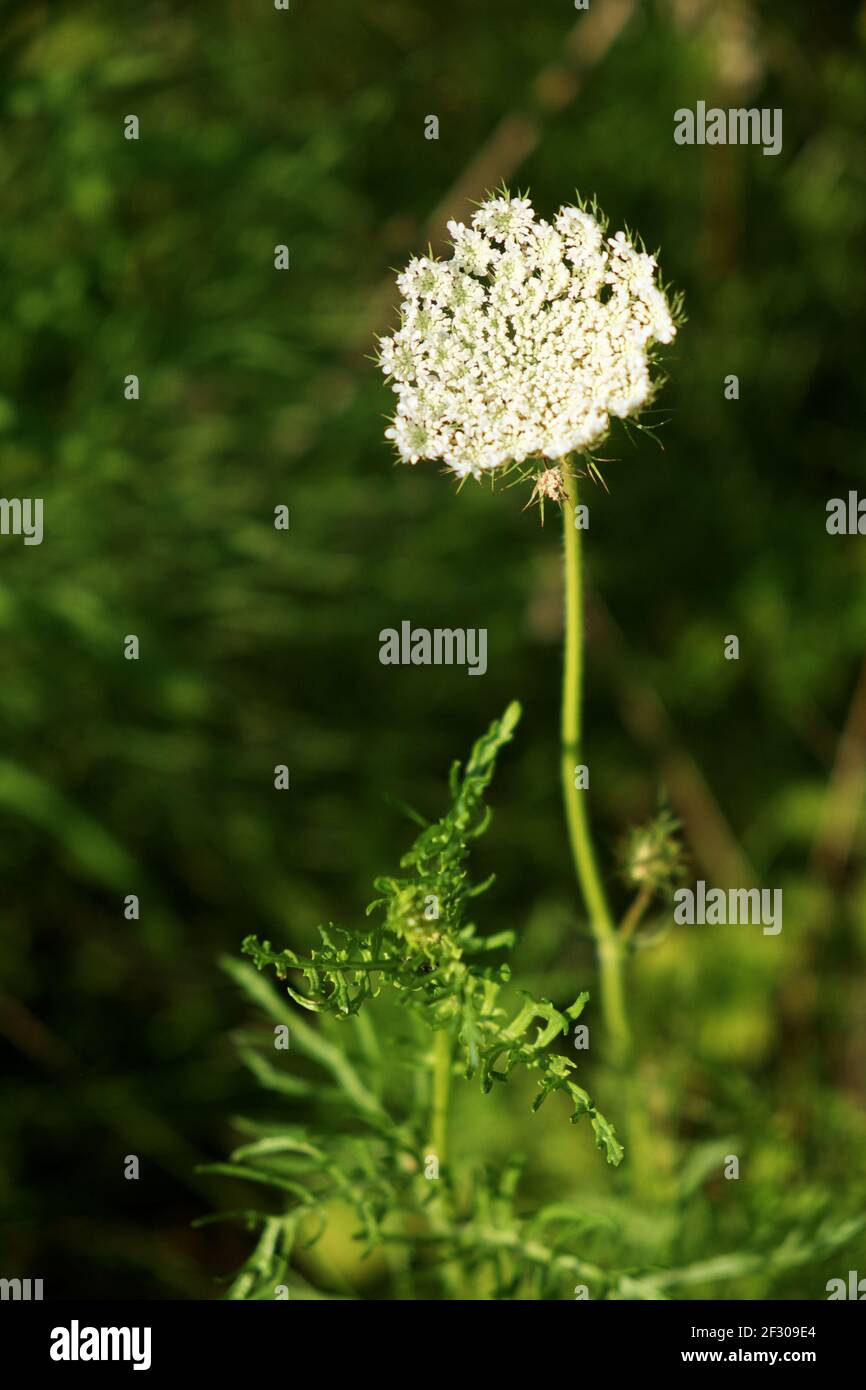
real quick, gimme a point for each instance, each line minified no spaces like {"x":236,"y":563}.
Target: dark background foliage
{"x":260,"y":647}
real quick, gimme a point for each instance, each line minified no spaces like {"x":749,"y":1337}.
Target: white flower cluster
{"x":525,"y":342}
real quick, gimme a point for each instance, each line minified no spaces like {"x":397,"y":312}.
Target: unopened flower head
{"x":525,"y":343}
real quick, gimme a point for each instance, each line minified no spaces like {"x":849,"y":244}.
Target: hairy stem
{"x":441,"y":1092}
{"x":440,"y":1211}
{"x":609,"y":948}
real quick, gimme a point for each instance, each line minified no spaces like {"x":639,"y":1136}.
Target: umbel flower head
{"x":525,"y":343}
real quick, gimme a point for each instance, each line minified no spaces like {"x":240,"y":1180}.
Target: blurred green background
{"x":260,"y":647}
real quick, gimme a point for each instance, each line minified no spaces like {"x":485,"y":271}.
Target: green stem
{"x":441,"y":1092}
{"x":609,"y":948}
{"x":632,"y":919}
{"x":439,"y":1210}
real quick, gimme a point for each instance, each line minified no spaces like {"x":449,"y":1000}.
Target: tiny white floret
{"x":525,"y":343}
